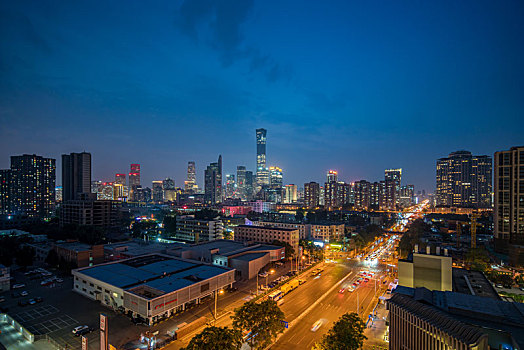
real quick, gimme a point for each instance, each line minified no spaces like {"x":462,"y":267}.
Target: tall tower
{"x":392,"y":181}
{"x":509,"y":204}
{"x":262,"y":170}
{"x":134,"y":181}
{"x":241,"y":182}
{"x":190,"y":185}
{"x":311,"y":194}
{"x":213,"y":182}
{"x":33,"y":185}
{"x":76,"y":175}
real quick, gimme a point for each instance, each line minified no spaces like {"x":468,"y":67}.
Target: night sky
{"x":357,"y":86}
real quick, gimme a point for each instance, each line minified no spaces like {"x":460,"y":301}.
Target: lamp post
{"x":216,"y":298}
{"x":270,"y":273}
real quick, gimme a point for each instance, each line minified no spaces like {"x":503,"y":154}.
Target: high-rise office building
{"x":157,"y":191}
{"x":509,"y":204}
{"x":76,"y":175}
{"x":134,"y":182}
{"x":464,"y":180}
{"x":407,"y":195}
{"x":393,"y":179}
{"x":190,"y":185}
{"x":275,"y":177}
{"x":106,"y":191}
{"x":213,"y":182}
{"x":377,"y":195}
{"x":262,"y":170}
{"x":290,"y":194}
{"x":33,"y":185}
{"x":120,"y":187}
{"x":120,"y":179}
{"x":230,"y":186}
{"x":249,"y":185}
{"x":170,"y":190}
{"x":331,"y":195}
{"x":311,"y":194}
{"x":241,"y":182}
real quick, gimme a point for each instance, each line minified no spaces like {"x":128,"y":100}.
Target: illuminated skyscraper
{"x":362,"y":190}
{"x":213,"y":182}
{"x":190,"y":185}
{"x":76,"y":175}
{"x":331,"y":196}
{"x":157,"y":191}
{"x":262,"y":170}
{"x":106,"y":191}
{"x":509,"y":204}
{"x":134,"y":182}
{"x":332,"y":176}
{"x":241,"y":182}
{"x":290,"y":194}
{"x":33,"y":185}
{"x":393,"y":178}
{"x":120,"y":179}
{"x":249,"y":185}
{"x":275,"y":177}
{"x":464,"y":180}
{"x":5,"y":191}
{"x":311,"y":194}
{"x":170,"y":192}
{"x":230,"y":186}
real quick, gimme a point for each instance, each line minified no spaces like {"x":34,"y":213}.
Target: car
{"x":316,"y":326}
{"x":31,"y":302}
{"x":39,"y":299}
{"x":522,"y":289}
{"x":79,"y":328}
{"x":46,"y":283}
{"x":18,"y":285}
{"x":498,"y":285}
{"x":366,"y":279}
{"x":59,"y":280}
{"x":342,"y":290}
{"x":84,"y":331}
{"x":24,"y":293}
{"x":2,"y":300}
{"x":22,"y":303}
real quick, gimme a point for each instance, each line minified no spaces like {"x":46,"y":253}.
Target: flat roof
{"x":249,"y":256}
{"x":76,"y":246}
{"x":164,"y":273}
{"x":269,"y":228}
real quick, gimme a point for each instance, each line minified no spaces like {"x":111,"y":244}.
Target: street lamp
{"x":267,"y":275}
{"x":216,"y":298}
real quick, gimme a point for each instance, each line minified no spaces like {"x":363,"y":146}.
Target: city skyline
{"x":333,"y":90}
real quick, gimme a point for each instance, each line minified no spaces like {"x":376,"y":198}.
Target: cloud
{"x":219,"y":25}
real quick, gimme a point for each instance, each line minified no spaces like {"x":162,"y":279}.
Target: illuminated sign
{"x":84,"y":343}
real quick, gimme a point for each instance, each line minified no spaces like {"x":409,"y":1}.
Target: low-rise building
{"x":261,"y":206}
{"x":432,"y":271}
{"x":189,"y":229}
{"x":90,"y":212}
{"x":327,"y":232}
{"x":80,"y":254}
{"x":153,"y":286}
{"x":266,"y":234}
{"x":134,"y":248}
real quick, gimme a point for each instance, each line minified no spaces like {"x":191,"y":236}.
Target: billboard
{"x":103,"y":332}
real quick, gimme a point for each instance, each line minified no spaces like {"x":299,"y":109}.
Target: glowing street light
{"x":216,"y":298}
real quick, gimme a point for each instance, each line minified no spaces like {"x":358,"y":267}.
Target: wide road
{"x":332,"y":307}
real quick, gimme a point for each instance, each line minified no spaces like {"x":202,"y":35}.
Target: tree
{"x":24,"y":256}
{"x":346,"y":333}
{"x":216,"y":338}
{"x":206,"y":214}
{"x":170,"y":224}
{"x":52,"y":258}
{"x":264,"y":320}
{"x":290,"y":251}
{"x":478,"y":259}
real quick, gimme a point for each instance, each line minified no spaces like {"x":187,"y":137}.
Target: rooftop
{"x":160,"y":272}
{"x":267,"y":228}
{"x":474,"y":283}
{"x":76,"y":246}
{"x":249,"y":256}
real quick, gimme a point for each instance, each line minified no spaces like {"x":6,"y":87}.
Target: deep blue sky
{"x":357,"y":86}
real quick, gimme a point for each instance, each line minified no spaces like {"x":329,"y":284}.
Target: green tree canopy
{"x":290,"y":251}
{"x":212,"y":338}
{"x":262,"y":319}
{"x":347,"y":333}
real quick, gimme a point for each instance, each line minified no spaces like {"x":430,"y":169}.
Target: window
{"x":91,"y":285}
{"x":98,"y":287}
{"x":204,"y":287}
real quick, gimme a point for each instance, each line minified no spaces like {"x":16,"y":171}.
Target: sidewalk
{"x":376,"y":329}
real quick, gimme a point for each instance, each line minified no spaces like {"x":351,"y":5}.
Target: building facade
{"x":509,"y":204}
{"x":90,"y":212}
{"x":190,"y":185}
{"x":393,"y":179}
{"x":464,"y":180}
{"x":134,"y":182}
{"x":262,"y":174}
{"x":189,"y":229}
{"x":76,"y":175}
{"x":213,"y":182}
{"x":311,"y":194}
{"x":267,"y":234}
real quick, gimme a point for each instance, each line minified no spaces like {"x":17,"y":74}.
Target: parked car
{"x":84,"y":331}
{"x":31,"y":302}
{"x":262,"y":274}
{"x":79,"y":328}
{"x":18,"y":285}
{"x":24,"y":293}
{"x":22,"y":303}
{"x":39,"y":299}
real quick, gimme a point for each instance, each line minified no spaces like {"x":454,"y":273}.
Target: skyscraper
{"x":134,"y":182}
{"x":290,"y":194}
{"x":120,"y":186}
{"x":331,"y":195}
{"x":509,"y":204}
{"x":311,"y":194}
{"x":33,"y":185}
{"x":362,"y":190}
{"x":190,"y":185}
{"x":249,"y":185}
{"x":393,"y":178}
{"x":5,"y":191}
{"x":76,"y":175}
{"x":120,"y":179}
{"x":157,"y":191}
{"x":332,"y":176}
{"x":262,"y":171}
{"x":230,"y":186}
{"x":213,"y":182}
{"x":464,"y":180}
{"x":170,"y":192}
{"x":275,"y":177}
{"x":241,"y":182}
